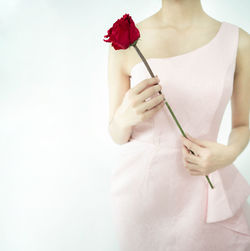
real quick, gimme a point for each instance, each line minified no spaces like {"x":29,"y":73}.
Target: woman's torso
{"x":197,"y":83}
{"x":162,"y":41}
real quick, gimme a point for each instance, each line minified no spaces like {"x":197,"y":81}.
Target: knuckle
{"x":156,"y":87}
{"x":161,"y":105}
{"x":151,"y":80}
{"x":155,"y":79}
{"x":160,"y":97}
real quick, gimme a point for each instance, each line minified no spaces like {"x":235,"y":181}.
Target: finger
{"x":195,"y":173}
{"x":149,"y":92}
{"x":147,"y":106}
{"x":149,"y":113}
{"x":144,"y":84}
{"x":185,"y":153}
{"x":187,"y":156}
{"x":192,"y":166}
{"x":191,"y":146}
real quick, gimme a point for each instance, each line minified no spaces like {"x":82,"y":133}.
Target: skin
{"x":179,"y":27}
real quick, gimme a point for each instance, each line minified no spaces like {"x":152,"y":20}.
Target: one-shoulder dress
{"x":157,"y":205}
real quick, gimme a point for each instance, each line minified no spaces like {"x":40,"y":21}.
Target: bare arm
{"x":119,"y":84}
{"x":240,"y":103}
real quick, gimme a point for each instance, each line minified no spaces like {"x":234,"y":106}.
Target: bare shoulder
{"x":116,"y":58}
{"x":244,"y":39}
{"x":146,"y":23}
{"x":243,"y":54}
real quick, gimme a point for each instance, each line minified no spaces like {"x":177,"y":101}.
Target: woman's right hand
{"x":134,"y":107}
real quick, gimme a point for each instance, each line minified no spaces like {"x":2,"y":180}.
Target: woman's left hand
{"x":209,"y":155}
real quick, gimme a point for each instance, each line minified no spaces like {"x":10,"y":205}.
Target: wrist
{"x":120,"y":121}
{"x":232,"y":152}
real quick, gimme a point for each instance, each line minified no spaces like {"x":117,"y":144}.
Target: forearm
{"x":238,"y":140}
{"x":119,"y":132}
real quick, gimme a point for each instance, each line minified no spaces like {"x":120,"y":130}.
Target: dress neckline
{"x":184,"y":54}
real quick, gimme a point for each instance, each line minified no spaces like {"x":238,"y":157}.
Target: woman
{"x":161,"y":198}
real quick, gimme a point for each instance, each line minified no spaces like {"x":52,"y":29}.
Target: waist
{"x":157,"y":142}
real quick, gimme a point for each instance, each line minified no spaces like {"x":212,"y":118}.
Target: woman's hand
{"x":209,"y":156}
{"x":135,"y":106}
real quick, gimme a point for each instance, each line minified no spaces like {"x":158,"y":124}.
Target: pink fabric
{"x":157,"y":204}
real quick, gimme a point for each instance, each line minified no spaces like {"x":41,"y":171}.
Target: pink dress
{"x":157,"y":204}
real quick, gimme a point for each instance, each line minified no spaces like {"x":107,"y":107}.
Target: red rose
{"x":123,"y":33}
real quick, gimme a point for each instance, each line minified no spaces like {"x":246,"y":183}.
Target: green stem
{"x":169,"y":108}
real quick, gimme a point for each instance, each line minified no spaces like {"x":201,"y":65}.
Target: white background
{"x":56,"y":155}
